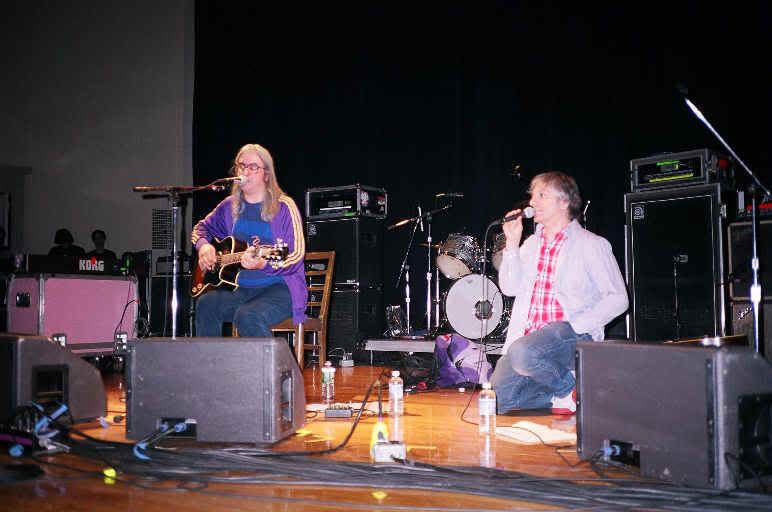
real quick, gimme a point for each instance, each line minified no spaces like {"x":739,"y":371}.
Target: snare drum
{"x":458,"y":255}
{"x":464,"y":307}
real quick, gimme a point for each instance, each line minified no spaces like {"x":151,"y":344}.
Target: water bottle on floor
{"x":487,"y":407}
{"x":328,"y":382}
{"x":396,"y":395}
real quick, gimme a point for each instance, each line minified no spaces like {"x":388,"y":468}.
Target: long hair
{"x":564,"y":185}
{"x":272,"y":189}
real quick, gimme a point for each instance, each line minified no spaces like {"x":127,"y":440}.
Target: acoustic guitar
{"x":226,"y":270}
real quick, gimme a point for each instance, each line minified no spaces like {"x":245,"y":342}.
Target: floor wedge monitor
{"x":234,"y":390}
{"x":691,"y":415}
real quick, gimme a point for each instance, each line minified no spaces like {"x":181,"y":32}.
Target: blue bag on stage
{"x":460,"y":361}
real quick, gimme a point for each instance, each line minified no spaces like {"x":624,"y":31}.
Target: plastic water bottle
{"x":396,"y":395}
{"x":487,"y":407}
{"x":328,"y":382}
{"x":487,"y":451}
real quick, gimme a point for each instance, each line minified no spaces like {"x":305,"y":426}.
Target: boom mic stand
{"x":174,"y":193}
{"x":755,"y":288}
{"x":416,"y":222}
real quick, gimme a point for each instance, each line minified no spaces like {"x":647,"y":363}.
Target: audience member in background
{"x":99,"y":237}
{"x":65,"y":245}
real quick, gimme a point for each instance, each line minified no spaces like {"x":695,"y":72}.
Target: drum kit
{"x":471,"y":303}
{"x":473,"y":306}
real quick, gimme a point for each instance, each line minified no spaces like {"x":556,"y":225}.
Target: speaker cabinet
{"x":674,"y":263}
{"x":235,"y":390}
{"x":34,"y":368}
{"x":690,"y":415}
{"x":740,"y":251}
{"x":355,"y":314}
{"x":358,"y":246}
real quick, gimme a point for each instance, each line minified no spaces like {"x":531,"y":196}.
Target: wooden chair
{"x":319,"y":272}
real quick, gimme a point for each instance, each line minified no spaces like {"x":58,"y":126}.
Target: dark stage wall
{"x":421,"y":99}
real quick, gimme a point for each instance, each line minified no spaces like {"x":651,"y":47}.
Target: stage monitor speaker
{"x":690,"y":415}
{"x":233,"y":390}
{"x":34,"y":368}
{"x":674,"y":263}
{"x":740,"y":250}
{"x":358,"y":246}
{"x":161,"y":309}
{"x":355,"y":314}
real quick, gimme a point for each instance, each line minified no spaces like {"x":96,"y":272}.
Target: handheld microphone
{"x":526,"y":212}
{"x":449,"y":194}
{"x":420,"y":218}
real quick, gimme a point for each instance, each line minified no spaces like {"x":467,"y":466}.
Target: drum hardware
{"x":404,"y":268}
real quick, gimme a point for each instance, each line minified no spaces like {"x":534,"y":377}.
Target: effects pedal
{"x":338,"y":411}
{"x":347,"y":361}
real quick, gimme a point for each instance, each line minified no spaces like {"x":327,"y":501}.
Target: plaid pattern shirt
{"x":545,"y":307}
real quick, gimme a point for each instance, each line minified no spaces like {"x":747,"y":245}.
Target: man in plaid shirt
{"x":567,"y":287}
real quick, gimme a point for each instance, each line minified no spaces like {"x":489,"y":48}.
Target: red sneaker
{"x":564,"y":405}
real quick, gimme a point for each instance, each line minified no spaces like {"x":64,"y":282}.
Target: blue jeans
{"x":252,"y":310}
{"x":536,"y":367}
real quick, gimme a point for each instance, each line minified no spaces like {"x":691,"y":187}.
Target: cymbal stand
{"x":428,"y":273}
{"x":418,"y":220}
{"x":405,"y":269}
{"x":437,"y":295}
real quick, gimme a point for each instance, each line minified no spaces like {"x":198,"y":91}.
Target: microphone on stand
{"x":229,"y":179}
{"x":219,"y":184}
{"x":449,"y":194}
{"x":420,"y":218}
{"x":526,"y":212}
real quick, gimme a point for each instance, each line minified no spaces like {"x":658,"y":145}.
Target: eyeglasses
{"x":253,"y":168}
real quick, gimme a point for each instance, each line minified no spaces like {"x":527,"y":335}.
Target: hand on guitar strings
{"x":207,"y":257}
{"x":250,"y":259}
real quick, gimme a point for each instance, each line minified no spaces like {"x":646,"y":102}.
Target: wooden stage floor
{"x":433,"y":431}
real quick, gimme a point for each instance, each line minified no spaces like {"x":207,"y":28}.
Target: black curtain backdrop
{"x":449,"y":96}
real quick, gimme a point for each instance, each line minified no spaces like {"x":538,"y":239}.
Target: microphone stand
{"x":676,"y":312}
{"x":416,"y":221}
{"x":174,"y":193}
{"x":755,"y":288}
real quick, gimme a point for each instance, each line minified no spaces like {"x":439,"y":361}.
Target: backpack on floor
{"x":460,"y":361}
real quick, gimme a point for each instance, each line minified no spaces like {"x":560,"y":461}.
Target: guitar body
{"x":222,"y":275}
{"x":226,"y":270}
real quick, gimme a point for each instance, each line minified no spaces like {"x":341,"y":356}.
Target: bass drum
{"x":464,"y":308}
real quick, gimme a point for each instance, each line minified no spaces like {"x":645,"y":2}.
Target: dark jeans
{"x":536,"y":367}
{"x":252,"y":310}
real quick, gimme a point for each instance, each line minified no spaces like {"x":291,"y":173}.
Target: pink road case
{"x":89,"y":310}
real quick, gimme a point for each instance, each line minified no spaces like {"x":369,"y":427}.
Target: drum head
{"x":464,"y":306}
